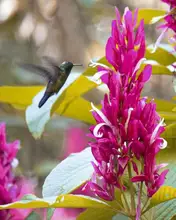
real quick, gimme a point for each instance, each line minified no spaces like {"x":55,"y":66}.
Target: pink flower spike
{"x":128,"y":128}
{"x":12,"y":187}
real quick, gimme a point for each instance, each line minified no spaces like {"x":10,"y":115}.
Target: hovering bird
{"x":56,"y":76}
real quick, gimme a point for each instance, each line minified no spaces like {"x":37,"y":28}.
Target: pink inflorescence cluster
{"x":171,"y":3}
{"x":170,"y":22}
{"x":12,"y":188}
{"x":127,"y":127}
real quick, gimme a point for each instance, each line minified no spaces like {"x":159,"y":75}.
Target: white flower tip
{"x":14,"y":163}
{"x":93,"y":107}
{"x":164,"y":145}
{"x":154,"y":49}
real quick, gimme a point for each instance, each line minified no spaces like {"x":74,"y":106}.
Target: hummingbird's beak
{"x":77,"y":65}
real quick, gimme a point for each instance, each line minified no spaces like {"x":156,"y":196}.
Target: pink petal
{"x":139,"y":178}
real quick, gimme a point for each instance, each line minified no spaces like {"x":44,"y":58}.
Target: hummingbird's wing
{"x":36,"y":69}
{"x":48,"y":61}
{"x":55,"y":69}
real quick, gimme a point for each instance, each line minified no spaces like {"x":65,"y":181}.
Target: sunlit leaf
{"x":18,"y":95}
{"x":149,"y":13}
{"x":77,"y":88}
{"x":158,"y":69}
{"x":37,"y":118}
{"x":70,"y":174}
{"x":170,"y":131}
{"x":22,"y":97}
{"x":62,"y":201}
{"x":99,"y":214}
{"x":165,"y":193}
{"x":163,"y":201}
{"x":161,"y":55}
{"x":96,"y":214}
{"x":78,"y":109}
{"x":170,"y":116}
{"x":163,"y":105}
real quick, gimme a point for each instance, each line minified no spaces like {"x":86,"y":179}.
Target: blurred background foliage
{"x":74,"y":30}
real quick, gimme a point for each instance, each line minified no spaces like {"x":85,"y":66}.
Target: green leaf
{"x":165,"y":193}
{"x":22,"y":95}
{"x":33,"y":216}
{"x":50,"y":213}
{"x":170,"y":131}
{"x":161,"y":55}
{"x":163,"y":105}
{"x":37,"y":118}
{"x":163,"y":201}
{"x":62,"y":201}
{"x":158,"y":69}
{"x":149,"y":13}
{"x":78,"y":109}
{"x":96,"y":214}
{"x":170,"y":116}
{"x":70,"y":174}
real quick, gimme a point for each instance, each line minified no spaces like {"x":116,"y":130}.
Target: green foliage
{"x":96,"y":214}
{"x":70,"y":174}
{"x":67,"y":201}
{"x":148,"y":14}
{"x":161,"y":55}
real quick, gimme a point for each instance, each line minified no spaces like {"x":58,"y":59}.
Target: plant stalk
{"x":132,"y":192}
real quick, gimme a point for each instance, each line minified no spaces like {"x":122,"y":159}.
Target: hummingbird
{"x":55,"y":75}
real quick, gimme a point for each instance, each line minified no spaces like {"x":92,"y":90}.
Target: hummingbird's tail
{"x":44,"y":99}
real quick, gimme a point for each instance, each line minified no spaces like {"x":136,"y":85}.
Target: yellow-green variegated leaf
{"x":170,"y":131}
{"x":78,"y":109}
{"x":37,"y":118}
{"x":164,"y":201}
{"x":96,"y":214}
{"x":18,"y":95}
{"x":164,"y":194}
{"x":161,"y":55}
{"x":148,"y":14}
{"x":168,"y":116}
{"x":158,"y":69}
{"x":22,"y":97}
{"x":164,"y":106}
{"x":102,"y":214}
{"x":62,"y":201}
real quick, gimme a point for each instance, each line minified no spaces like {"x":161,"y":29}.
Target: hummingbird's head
{"x":67,"y":66}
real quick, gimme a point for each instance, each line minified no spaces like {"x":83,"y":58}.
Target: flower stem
{"x":132,"y":192}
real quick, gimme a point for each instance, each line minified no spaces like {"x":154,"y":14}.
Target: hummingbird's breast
{"x":60,"y":81}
